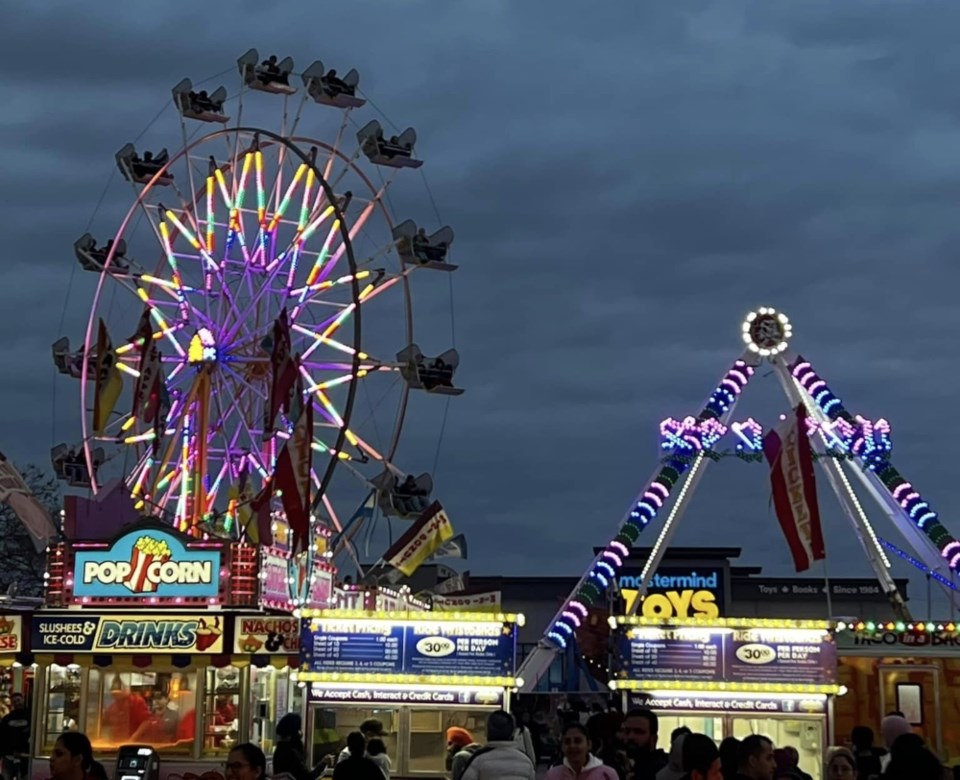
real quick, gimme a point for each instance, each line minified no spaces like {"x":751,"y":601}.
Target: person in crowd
{"x":460,"y":748}
{"x":678,"y":731}
{"x":867,"y":756}
{"x":578,"y":762}
{"x":892,"y":727}
{"x":605,"y":739}
{"x":71,"y":758}
{"x":640,"y":729}
{"x":756,"y":761}
{"x":499,"y":759}
{"x":371,"y":728}
{"x":913,"y":763}
{"x":15,"y":738}
{"x":786,"y":769}
{"x":524,"y":738}
{"x":356,"y":766}
{"x":674,"y":769}
{"x":793,"y":762}
{"x":289,"y":756}
{"x":377,"y":752}
{"x":246,"y":761}
{"x":701,"y":758}
{"x":729,"y":757}
{"x":841,"y":764}
{"x":125,"y":714}
{"x":97,"y":771}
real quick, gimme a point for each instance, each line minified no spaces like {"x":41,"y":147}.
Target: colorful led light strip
{"x":876,"y":457}
{"x":918,"y":564}
{"x":645,"y":510}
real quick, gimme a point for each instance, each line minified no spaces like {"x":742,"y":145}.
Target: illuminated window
{"x":221,"y":710}
{"x":62,"y":712}
{"x":272,"y":695}
{"x":147,"y":708}
{"x":428,"y":736}
{"x":332,"y":724}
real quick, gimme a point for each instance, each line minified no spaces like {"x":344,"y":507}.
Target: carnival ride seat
{"x":405,"y":498}
{"x":328,"y":89}
{"x":142,"y":170}
{"x":200,"y":105}
{"x":395,"y":152}
{"x":70,"y":363}
{"x":92,"y":258}
{"x":416,"y":247}
{"x":269,"y":76}
{"x":70,"y":465}
{"x":435,"y":375}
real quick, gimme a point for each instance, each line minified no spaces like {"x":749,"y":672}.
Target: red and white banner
{"x":293,"y":478}
{"x":794,"y":486}
{"x":421,"y":540}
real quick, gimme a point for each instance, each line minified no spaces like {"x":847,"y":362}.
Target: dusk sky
{"x":626,"y":181}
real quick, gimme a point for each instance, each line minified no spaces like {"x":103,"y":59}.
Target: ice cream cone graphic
{"x":207,"y":635}
{"x":144,"y":554}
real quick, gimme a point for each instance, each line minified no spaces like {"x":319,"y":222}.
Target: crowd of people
{"x":608,"y":746}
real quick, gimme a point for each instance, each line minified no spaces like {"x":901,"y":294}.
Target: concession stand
{"x":161,"y":639}
{"x":417,"y":672}
{"x":733,"y":677}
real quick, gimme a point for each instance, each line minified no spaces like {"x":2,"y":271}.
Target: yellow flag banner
{"x":421,"y":540}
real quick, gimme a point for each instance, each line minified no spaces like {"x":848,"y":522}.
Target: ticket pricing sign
{"x":127,"y":634}
{"x":416,"y":648}
{"x":754,"y":656}
{"x":147,"y":563}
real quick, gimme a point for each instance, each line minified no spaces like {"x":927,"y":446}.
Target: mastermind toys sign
{"x":148,"y":564}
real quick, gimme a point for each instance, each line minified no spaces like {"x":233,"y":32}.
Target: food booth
{"x":417,"y":672}
{"x":913,"y":668}
{"x":732,"y":677}
{"x":157,"y":638}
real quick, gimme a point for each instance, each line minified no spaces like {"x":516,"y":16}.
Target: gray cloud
{"x":625,"y":182}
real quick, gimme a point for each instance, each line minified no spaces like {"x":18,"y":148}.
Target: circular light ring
{"x":766,"y":331}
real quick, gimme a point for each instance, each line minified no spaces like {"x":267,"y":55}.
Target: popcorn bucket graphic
{"x":145,"y":553}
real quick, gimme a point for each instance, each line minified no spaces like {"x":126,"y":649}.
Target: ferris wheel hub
{"x":766,"y":331}
{"x":203,"y":348}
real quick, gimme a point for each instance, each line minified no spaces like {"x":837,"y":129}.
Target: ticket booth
{"x":418,"y":673}
{"x":733,"y":677}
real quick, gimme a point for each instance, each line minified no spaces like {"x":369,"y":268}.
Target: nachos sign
{"x":148,"y":563}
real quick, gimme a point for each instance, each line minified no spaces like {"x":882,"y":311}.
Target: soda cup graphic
{"x":207,"y":635}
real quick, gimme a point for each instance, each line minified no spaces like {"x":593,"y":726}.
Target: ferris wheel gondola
{"x":257,"y":276}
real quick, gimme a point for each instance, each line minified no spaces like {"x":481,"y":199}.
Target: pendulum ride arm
{"x":844,"y":493}
{"x":681,"y":469}
{"x":869,"y":444}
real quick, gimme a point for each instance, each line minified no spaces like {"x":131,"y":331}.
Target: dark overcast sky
{"x":626,"y":180}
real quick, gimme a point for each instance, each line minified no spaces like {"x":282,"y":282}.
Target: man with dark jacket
{"x":357,"y":766}
{"x":640,"y":729}
{"x":757,"y":761}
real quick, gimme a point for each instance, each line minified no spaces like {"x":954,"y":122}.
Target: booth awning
{"x":141,"y":661}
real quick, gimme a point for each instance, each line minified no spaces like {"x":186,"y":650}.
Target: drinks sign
{"x":147,"y":563}
{"x":127,"y":634}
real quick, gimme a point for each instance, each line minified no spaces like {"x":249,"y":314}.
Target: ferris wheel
{"x":250,"y":338}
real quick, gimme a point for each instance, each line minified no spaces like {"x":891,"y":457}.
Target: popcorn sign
{"x":148,"y":563}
